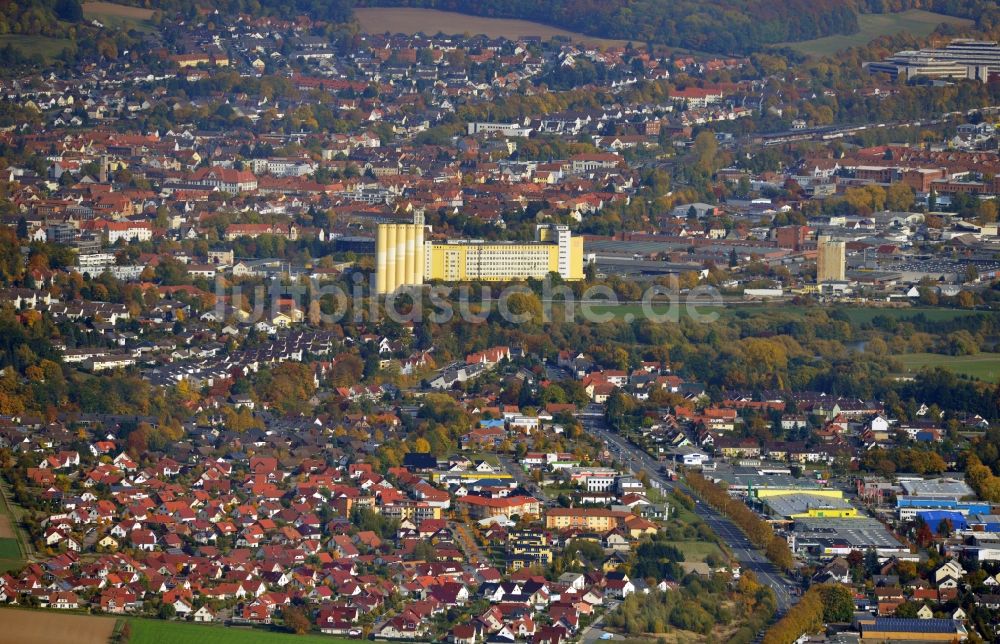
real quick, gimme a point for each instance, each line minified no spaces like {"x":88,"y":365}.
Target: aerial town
{"x":313,"y":331}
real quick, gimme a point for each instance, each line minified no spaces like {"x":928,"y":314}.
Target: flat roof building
{"x":940,"y":488}
{"x":831,"y":537}
{"x":404,"y":258}
{"x":801,"y":505}
{"x":897,"y":629}
{"x":961,"y":59}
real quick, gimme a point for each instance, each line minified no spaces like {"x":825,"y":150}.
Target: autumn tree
{"x":296,"y":620}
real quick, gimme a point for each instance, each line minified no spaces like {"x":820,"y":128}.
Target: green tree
{"x":838,"y":603}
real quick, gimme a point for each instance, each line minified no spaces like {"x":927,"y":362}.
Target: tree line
{"x":758,"y":531}
{"x":820,"y":604}
{"x":709,"y":25}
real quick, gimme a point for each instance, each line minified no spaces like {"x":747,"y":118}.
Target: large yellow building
{"x":830,"y":260}
{"x":594,"y":519}
{"x":399,"y":256}
{"x":403,"y":258}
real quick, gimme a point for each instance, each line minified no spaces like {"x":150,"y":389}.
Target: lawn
{"x":985,"y":366}
{"x":154,"y":631}
{"x":47,"y":48}
{"x":873,"y":25}
{"x":697,"y":550}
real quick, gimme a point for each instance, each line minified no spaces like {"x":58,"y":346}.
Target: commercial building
{"x":895,"y":629}
{"x":940,"y":488}
{"x":803,"y":505}
{"x":404,"y":258}
{"x":830,"y":260}
{"x":909,"y":507}
{"x":506,"y":129}
{"x":830,"y":537}
{"x":961,"y":59}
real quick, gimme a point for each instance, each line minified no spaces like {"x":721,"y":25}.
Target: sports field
{"x":431,"y":21}
{"x":51,"y":626}
{"x":872,"y":25}
{"x":154,"y":631}
{"x":985,"y":366}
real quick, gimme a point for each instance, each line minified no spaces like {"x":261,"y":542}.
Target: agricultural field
{"x":153,"y":631}
{"x":47,"y":48}
{"x":117,"y":15}
{"x":872,"y":25}
{"x":11,"y":554}
{"x":432,"y":21}
{"x":984,"y":366}
{"x":34,"y":627}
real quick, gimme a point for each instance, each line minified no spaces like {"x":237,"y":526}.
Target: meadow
{"x":873,"y":25}
{"x":47,"y":48}
{"x":11,"y":551}
{"x":432,"y":21}
{"x":864,"y":315}
{"x":117,"y":15}
{"x":698,"y":550}
{"x":984,"y":366}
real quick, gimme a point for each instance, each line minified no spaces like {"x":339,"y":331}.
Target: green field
{"x":154,"y":631}
{"x":864,"y":315}
{"x":872,"y":25}
{"x":118,"y":16}
{"x":857,"y":315}
{"x":697,"y":550}
{"x":10,"y":555}
{"x":12,"y":550}
{"x":48,"y":48}
{"x":985,"y":366}
{"x":631,"y":311}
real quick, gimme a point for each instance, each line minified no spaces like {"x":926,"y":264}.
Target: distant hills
{"x":721,"y":26}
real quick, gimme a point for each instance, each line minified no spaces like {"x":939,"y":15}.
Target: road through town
{"x":749,"y":557}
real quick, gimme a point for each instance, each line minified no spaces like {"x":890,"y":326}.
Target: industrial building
{"x":830,"y":537}
{"x":404,"y":258}
{"x":940,"y":488}
{"x":961,"y":59}
{"x":895,"y":629}
{"x":830,"y":260}
{"x":400,"y":257}
{"x":802,"y":505}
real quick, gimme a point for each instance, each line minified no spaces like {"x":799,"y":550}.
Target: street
{"x":749,"y":557}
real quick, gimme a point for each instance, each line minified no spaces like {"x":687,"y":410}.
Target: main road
{"x":749,"y":557}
